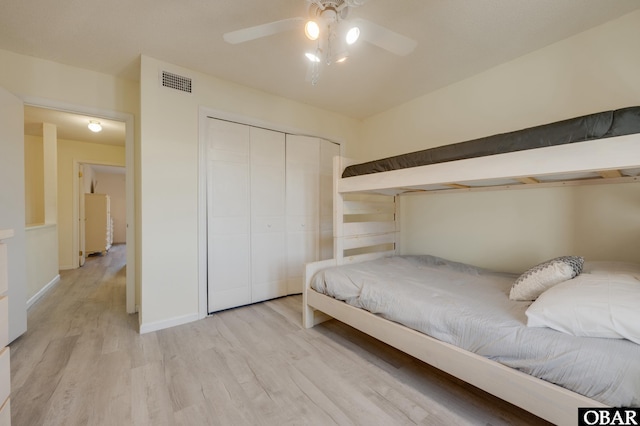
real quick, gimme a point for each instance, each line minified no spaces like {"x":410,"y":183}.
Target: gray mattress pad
{"x":600,"y":125}
{"x":469,"y":307}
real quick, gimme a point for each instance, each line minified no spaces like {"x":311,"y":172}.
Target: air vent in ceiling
{"x":175,"y":81}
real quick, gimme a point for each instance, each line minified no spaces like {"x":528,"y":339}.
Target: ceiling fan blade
{"x":263,"y":30}
{"x":384,"y":37}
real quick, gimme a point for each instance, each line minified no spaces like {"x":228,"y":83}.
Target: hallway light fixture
{"x":94,"y":126}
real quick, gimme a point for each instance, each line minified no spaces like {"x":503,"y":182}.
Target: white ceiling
{"x":73,"y":126}
{"x":456,"y":39}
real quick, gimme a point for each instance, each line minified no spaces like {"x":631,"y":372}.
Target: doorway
{"x":80,"y":116}
{"x":101,"y":208}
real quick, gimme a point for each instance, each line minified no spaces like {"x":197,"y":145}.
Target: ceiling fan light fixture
{"x":94,"y":126}
{"x":312,"y":30}
{"x":328,"y":24}
{"x":312,"y":57}
{"x":342,"y":58}
{"x":352,"y":35}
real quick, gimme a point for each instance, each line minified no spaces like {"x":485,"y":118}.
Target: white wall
{"x":169,"y":177}
{"x":42,"y":260}
{"x":593,"y":71}
{"x":12,"y":206}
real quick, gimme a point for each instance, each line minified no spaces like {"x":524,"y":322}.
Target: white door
{"x":268,"y":242}
{"x":328,"y":150}
{"x":303,"y":186}
{"x":12,"y":206}
{"x":228,"y":215}
{"x":81,"y":215}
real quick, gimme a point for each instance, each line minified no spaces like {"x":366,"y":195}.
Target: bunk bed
{"x":594,"y":149}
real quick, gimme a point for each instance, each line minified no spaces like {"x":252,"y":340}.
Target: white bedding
{"x":469,"y":307}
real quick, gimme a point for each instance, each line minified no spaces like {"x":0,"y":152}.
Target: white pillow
{"x":545,"y":275}
{"x":591,"y":305}
{"x":611,"y":267}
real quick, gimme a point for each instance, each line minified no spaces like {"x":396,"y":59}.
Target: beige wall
{"x":512,"y":230}
{"x":167,"y":225}
{"x":31,"y":77}
{"x":169,"y":177}
{"x":39,"y":80}
{"x":34,"y":180}
{"x":70,"y":152}
{"x":593,"y":71}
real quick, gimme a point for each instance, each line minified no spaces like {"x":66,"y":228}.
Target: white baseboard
{"x":42,"y":291}
{"x":171,"y":322}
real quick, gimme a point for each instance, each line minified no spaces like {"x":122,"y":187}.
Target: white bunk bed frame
{"x":611,"y":160}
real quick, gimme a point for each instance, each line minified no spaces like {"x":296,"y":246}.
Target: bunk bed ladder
{"x":365,"y":225}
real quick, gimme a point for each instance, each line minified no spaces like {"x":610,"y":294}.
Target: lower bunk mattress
{"x":469,"y":307}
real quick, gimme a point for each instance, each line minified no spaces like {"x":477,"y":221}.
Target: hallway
{"x":77,"y":341}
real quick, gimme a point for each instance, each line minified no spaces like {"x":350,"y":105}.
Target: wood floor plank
{"x":43,"y":381}
{"x":82,"y":362}
{"x":150,"y":401}
{"x":112,"y":390}
{"x":319,"y":399}
{"x":69,"y":398}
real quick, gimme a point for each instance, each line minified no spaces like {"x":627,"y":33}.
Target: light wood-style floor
{"x":82,"y":362}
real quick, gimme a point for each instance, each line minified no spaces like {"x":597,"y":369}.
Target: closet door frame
{"x":204,"y":113}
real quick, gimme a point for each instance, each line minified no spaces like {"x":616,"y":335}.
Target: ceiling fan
{"x":329,"y":26}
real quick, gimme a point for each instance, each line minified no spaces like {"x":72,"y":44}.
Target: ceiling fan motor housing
{"x":329,"y":10}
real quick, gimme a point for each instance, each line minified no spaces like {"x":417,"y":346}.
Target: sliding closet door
{"x":303,"y":194}
{"x":268,"y":240}
{"x":228,"y":212}
{"x":269,"y":211}
{"x":328,"y":150}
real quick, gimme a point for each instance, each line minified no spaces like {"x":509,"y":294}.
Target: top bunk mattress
{"x":600,"y":125}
